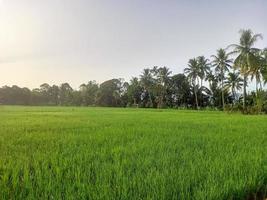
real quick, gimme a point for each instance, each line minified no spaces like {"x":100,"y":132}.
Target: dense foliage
{"x":213,"y":83}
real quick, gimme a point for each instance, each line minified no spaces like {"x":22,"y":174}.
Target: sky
{"x":74,"y":41}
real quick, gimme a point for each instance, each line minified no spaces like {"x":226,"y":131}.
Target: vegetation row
{"x":206,"y":83}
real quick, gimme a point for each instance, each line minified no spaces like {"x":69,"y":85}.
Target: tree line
{"x":205,"y":83}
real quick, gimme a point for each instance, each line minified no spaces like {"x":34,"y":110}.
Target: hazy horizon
{"x":56,"y":41}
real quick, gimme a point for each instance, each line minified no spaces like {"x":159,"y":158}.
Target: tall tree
{"x":210,"y":77}
{"x":264,"y":70}
{"x":181,"y":91}
{"x":234,"y":82}
{"x":146,"y":80}
{"x":88,"y":93}
{"x":193,"y":72}
{"x":246,"y":58}
{"x":134,"y":91}
{"x":55,"y":94}
{"x":109,"y":93}
{"x":45,"y":90}
{"x":65,"y":94}
{"x":222,"y":63}
{"x":162,"y":76}
{"x":259,"y":71}
{"x":256,"y":72}
{"x":213,"y":83}
{"x":204,"y":68}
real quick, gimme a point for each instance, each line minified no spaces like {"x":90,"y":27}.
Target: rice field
{"x":116,"y":153}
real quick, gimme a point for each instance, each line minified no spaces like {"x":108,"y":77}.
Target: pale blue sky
{"x":75,"y":41}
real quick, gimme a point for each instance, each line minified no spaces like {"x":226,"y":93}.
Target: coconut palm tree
{"x":204,"y":67}
{"x":256,"y":73}
{"x":259,"y":72}
{"x":193,"y":72}
{"x":246,"y":58}
{"x":163,"y":79}
{"x":234,"y":82}
{"x":213,"y":82}
{"x":146,"y":80}
{"x":210,"y":78}
{"x":264,"y":65}
{"x":222,"y":63}
{"x":164,"y":75}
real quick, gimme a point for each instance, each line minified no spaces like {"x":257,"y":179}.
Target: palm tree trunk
{"x":160,"y":101}
{"x":196,"y":99}
{"x":211,"y":93}
{"x":233,"y":94}
{"x":149,"y":96}
{"x":222,"y":95}
{"x":150,"y":100}
{"x":257,"y":90}
{"x":244,"y":92}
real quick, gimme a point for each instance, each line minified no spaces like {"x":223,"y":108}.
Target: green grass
{"x":109,"y":153}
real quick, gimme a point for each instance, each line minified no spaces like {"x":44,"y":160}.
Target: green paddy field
{"x":118,"y":153}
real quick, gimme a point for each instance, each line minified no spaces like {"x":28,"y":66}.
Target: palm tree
{"x":146,"y":80}
{"x":134,"y":91}
{"x":259,"y":71}
{"x":246,"y":58}
{"x":234,"y":82}
{"x":221,"y":62}
{"x":204,"y":68}
{"x":264,"y":70}
{"x":163,"y":76}
{"x":213,"y":82}
{"x":256,"y":73}
{"x":193,"y":72}
{"x":210,"y":78}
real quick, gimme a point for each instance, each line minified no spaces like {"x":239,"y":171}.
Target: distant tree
{"x":45,"y":92}
{"x":213,"y":81}
{"x":54,"y":92}
{"x":234,"y":82}
{"x":246,"y":59}
{"x":65,"y":94}
{"x":203,"y":94}
{"x":193,"y":72}
{"x":15,"y":95}
{"x":181,"y":90}
{"x":204,"y":68}
{"x":124,"y":101}
{"x":264,"y":69}
{"x":109,"y":93}
{"x":147,"y":81}
{"x":76,"y":99}
{"x":222,"y":64}
{"x":257,"y":72}
{"x":134,"y":91}
{"x":88,"y":93}
{"x":161,"y":84}
{"x":36,"y":97}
